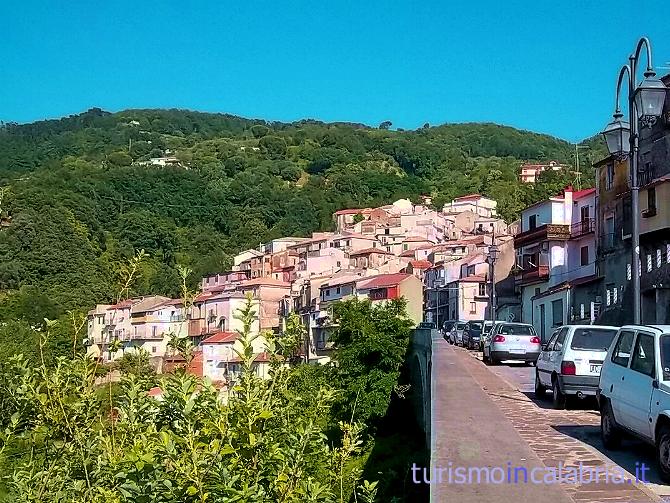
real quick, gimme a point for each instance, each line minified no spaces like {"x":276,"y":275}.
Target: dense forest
{"x":76,"y":200}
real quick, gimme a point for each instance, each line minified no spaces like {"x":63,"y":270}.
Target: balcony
{"x":586,"y":226}
{"x":547,"y":232}
{"x":533,"y":269}
{"x":535,"y":274}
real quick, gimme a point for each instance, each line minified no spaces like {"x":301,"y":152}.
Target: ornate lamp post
{"x":645,"y":105}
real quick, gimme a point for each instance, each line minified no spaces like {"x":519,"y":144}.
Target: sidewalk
{"x":472,"y":428}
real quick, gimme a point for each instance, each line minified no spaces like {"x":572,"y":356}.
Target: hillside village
{"x":376,"y":253}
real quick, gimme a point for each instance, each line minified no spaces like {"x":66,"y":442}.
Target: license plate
{"x":595,"y":369}
{"x":518,"y":351}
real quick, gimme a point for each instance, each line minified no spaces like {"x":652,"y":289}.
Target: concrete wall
{"x":419,"y":363}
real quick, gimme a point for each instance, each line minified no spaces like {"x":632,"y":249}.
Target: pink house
{"x":269,"y":293}
{"x":224,"y":280}
{"x":214,"y":312}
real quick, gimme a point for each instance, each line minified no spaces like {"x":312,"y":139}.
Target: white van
{"x":634,"y":390}
{"x":570,"y":362}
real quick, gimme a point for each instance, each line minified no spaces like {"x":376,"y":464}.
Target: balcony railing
{"x":586,"y":226}
{"x":547,"y":232}
{"x":534,"y":274}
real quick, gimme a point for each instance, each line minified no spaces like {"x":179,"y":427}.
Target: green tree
{"x":370,"y":347}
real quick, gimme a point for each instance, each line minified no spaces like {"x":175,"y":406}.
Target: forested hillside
{"x":76,"y":201}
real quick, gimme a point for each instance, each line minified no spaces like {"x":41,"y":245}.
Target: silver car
{"x":511,"y":341}
{"x":456,"y":334}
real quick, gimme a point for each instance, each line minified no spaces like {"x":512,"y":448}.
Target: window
{"x":609,"y":231}
{"x":651,"y":199}
{"x":650,"y":262}
{"x":153,"y":331}
{"x":560,"y":339}
{"x":609,"y":180}
{"x":621,"y":353}
{"x":552,"y":340}
{"x":328,"y":293}
{"x":592,"y":338}
{"x":532,"y":222}
{"x":659,"y":258}
{"x":665,"y":356}
{"x":153,"y":349}
{"x":473,"y":307}
{"x":339,"y":264}
{"x":516,"y":329}
{"x":537,"y":291}
{"x":584,"y":212}
{"x":338,"y":289}
{"x":584,"y":258}
{"x":643,"y":356}
{"x":405,"y":246}
{"x":482,"y":289}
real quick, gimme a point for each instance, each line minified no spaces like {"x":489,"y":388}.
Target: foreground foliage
{"x":261,"y":441}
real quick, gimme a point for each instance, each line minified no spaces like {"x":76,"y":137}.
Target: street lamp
{"x":645,"y":104}
{"x":617,"y":136}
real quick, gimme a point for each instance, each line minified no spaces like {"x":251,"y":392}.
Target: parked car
{"x":456,"y":333}
{"x":446,"y":329}
{"x":472,"y":333}
{"x":570,"y":362}
{"x":634,"y":390}
{"x":511,"y":341}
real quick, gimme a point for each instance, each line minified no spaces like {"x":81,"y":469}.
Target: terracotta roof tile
{"x":368,"y":251}
{"x":383,"y":280}
{"x":222,"y":338}
{"x":420,"y":264}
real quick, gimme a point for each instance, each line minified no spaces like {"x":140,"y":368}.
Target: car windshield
{"x":460,"y":326}
{"x":475,"y":326}
{"x":665,"y":356}
{"x":517,"y":330}
{"x":592,"y":338}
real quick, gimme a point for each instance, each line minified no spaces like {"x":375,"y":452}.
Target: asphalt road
{"x":631,"y":452}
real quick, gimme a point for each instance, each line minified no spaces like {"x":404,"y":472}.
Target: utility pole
{"x":491,"y":259}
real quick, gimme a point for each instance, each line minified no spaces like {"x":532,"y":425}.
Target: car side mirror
{"x":654,"y":383}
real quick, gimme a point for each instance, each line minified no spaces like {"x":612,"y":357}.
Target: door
{"x":635,"y":398}
{"x":543,"y":362}
{"x":612,"y":378}
{"x":543,"y":335}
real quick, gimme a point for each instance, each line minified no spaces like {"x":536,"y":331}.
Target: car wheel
{"x":609,"y":431}
{"x":540,"y":390}
{"x":557,"y":395}
{"x":663,"y":453}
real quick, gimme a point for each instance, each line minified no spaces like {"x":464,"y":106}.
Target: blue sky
{"x":545,"y":66}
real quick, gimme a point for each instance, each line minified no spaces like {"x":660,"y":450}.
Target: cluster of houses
{"x":375,"y":253}
{"x":567,"y":260}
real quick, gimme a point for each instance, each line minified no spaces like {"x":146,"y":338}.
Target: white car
{"x":570,"y":362}
{"x":511,"y":341}
{"x":456,"y":333}
{"x":634,"y":390}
